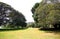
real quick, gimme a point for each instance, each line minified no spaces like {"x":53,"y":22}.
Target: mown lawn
{"x":30,"y":33}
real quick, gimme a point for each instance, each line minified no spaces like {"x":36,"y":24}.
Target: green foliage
{"x":47,"y":14}
{"x":18,"y":19}
{"x":33,"y":25}
{"x":30,"y":24}
{"x":10,"y":16}
{"x":34,"y":7}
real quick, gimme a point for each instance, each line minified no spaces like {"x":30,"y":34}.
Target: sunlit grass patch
{"x":30,"y":33}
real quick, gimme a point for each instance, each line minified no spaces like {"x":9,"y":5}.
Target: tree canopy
{"x":47,"y":14}
{"x":9,"y":15}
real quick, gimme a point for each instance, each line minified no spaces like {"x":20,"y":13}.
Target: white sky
{"x":23,"y":6}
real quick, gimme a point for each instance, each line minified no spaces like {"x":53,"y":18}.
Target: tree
{"x":47,"y":14}
{"x":18,"y":19}
{"x":10,"y":16}
{"x":34,"y":7}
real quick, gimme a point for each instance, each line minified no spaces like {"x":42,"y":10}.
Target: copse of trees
{"x":9,"y":17}
{"x":47,"y":13}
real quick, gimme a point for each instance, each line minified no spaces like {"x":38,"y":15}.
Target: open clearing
{"x":30,"y":33}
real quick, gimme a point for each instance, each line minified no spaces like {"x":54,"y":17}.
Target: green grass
{"x":30,"y":33}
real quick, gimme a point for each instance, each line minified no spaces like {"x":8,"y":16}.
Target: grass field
{"x":30,"y":33}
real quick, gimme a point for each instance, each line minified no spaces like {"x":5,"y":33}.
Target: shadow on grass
{"x":50,"y":30}
{"x":1,"y":30}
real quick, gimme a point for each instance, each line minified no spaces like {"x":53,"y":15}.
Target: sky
{"x":23,"y":6}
